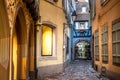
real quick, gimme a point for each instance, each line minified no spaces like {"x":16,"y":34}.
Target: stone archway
{"x":82,"y":49}
{"x":19,"y":47}
{"x":4,"y":42}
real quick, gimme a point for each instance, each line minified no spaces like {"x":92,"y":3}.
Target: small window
{"x":104,"y":2}
{"x":94,"y":9}
{"x":105,"y":44}
{"x":96,"y":39}
{"x":116,"y":42}
{"x":81,"y":25}
{"x":84,"y":10}
{"x":47,"y":38}
{"x":52,"y":1}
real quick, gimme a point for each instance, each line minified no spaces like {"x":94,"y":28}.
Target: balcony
{"x":82,"y":33}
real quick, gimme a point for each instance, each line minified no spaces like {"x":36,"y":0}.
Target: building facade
{"x":69,"y":9}
{"x":17,"y":39}
{"x":82,"y":31}
{"x":50,"y":43}
{"x":105,"y":31}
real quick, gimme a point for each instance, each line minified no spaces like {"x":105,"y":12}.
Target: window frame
{"x":96,"y":46}
{"x":94,"y":9}
{"x":81,"y":22}
{"x":54,"y":54}
{"x":52,"y":1}
{"x":104,"y":36}
{"x":83,"y":8}
{"x":42,"y":54}
{"x":104,"y":2}
{"x":115,"y":41}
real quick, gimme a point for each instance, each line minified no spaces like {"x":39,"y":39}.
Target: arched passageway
{"x":19,"y":47}
{"x":82,"y":50}
{"x":4,"y":42}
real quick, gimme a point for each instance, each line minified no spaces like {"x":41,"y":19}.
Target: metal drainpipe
{"x":37,"y":24}
{"x":71,"y":42}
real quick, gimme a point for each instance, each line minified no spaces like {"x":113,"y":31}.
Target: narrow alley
{"x":78,"y":70}
{"x":59,"y":39}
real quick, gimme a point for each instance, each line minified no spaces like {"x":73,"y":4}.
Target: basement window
{"x":105,"y":44}
{"x":116,"y":42}
{"x":96,"y":39}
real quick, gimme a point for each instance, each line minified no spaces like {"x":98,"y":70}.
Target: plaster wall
{"x":54,"y":14}
{"x":106,"y":15}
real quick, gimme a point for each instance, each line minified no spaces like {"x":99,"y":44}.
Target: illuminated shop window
{"x":47,"y":40}
{"x":116,"y":43}
{"x":105,"y":44}
{"x":96,"y":46}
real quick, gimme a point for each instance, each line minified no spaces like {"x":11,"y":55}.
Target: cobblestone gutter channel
{"x":78,"y":70}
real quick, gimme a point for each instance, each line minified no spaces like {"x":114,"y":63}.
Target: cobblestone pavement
{"x":78,"y":70}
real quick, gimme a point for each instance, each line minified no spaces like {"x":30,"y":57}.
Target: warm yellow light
{"x":46,"y":40}
{"x":15,"y":55}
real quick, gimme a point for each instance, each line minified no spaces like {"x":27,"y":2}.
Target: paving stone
{"x":78,"y":70}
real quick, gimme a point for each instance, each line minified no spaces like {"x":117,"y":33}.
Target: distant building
{"x":81,"y":30}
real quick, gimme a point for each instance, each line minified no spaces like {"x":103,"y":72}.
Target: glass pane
{"x":84,"y":10}
{"x":118,"y":48}
{"x":106,"y":37}
{"x":46,"y":41}
{"x":117,"y":59}
{"x":118,"y":35}
{"x":114,"y":48}
{"x":114,"y":27}
{"x":103,"y":38}
{"x":114,"y":36}
{"x":102,"y":49}
{"x":114,"y":59}
{"x":106,"y":49}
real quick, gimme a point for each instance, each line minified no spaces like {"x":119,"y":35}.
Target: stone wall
{"x":51,"y":14}
{"x":11,"y":11}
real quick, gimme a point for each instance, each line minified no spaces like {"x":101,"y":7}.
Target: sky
{"x":86,"y":0}
{"x":83,"y":0}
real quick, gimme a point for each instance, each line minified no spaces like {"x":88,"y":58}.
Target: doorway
{"x":19,"y":47}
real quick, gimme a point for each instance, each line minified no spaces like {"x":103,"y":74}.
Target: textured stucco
{"x":52,"y":14}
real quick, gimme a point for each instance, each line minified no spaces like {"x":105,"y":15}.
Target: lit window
{"x":116,"y":43}
{"x":84,"y":10}
{"x":47,"y":40}
{"x":105,"y":44}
